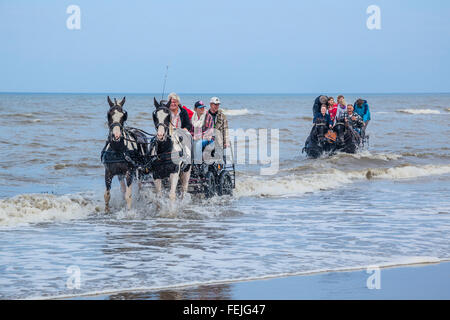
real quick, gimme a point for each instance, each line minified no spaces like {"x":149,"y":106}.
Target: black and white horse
{"x":120,"y":153}
{"x":171,"y":151}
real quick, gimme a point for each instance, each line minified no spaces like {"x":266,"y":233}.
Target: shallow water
{"x":386,"y":205}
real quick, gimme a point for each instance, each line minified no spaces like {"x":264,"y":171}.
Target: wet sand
{"x":430,"y":281}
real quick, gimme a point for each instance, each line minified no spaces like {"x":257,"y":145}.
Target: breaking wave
{"x":35,"y":208}
{"x":294,"y":184}
{"x":367,"y":155}
{"x":236,"y":112}
{"x":419,"y":111}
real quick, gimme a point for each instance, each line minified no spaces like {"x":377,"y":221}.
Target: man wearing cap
{"x":220,"y":123}
{"x":202,"y":129}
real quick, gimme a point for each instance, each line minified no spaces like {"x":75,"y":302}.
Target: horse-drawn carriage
{"x":212,"y":179}
{"x":209,"y":177}
{"x":161,"y":159}
{"x":341,"y":138}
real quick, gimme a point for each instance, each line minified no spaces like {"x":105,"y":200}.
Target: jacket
{"x":341,"y":112}
{"x":316,"y":107}
{"x":325,"y":118}
{"x":221,"y":128}
{"x":332,"y":112}
{"x":203,"y":127}
{"x":189,"y":111}
{"x":184,"y":118}
{"x":357,"y":123}
{"x":363,"y":111}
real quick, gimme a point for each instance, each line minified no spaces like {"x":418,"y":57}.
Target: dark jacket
{"x":185,"y":121}
{"x":325,"y":118}
{"x":317,"y":105}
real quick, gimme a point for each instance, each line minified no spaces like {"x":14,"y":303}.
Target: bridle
{"x":159,"y":124}
{"x":320,"y":124}
{"x":339,"y":138}
{"x":118,"y":123}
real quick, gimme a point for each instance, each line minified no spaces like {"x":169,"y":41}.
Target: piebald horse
{"x":171,"y":149}
{"x":118,"y":154}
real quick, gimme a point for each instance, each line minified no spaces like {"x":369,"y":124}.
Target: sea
{"x":387,"y":205}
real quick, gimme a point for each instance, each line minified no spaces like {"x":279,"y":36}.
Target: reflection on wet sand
{"x":212,"y":292}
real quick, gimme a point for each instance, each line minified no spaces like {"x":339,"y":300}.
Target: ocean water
{"x":387,"y":205}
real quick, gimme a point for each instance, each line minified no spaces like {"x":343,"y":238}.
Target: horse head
{"x":340,"y":129}
{"x":321,"y":129}
{"x":161,"y":119}
{"x":116,"y":119}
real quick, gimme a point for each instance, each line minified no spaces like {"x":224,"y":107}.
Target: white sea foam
{"x":365,"y":154}
{"x":293,"y":184}
{"x":407,"y":172}
{"x":419,"y":111}
{"x":35,"y":208}
{"x":236,"y":112}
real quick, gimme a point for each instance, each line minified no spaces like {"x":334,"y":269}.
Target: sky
{"x":228,"y":46}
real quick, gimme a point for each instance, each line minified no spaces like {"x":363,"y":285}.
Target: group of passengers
{"x":356,"y":116}
{"x":207,"y":127}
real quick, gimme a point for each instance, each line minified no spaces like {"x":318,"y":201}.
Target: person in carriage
{"x":318,"y":103}
{"x":323,"y":116}
{"x":220,"y":123}
{"x":361,"y":107}
{"x":202,"y":130}
{"x":332,"y":108}
{"x":354,"y":119}
{"x":179,"y":116}
{"x":341,"y":109}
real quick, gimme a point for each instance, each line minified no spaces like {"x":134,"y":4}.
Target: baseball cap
{"x":215,"y":100}
{"x":199,"y":104}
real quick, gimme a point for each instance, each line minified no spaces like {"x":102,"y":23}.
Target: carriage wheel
{"x":209,"y":186}
{"x":225,"y":187}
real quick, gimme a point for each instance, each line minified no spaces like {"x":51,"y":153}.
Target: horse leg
{"x":185,"y":176}
{"x":173,"y":185}
{"x":128,"y":189}
{"x":108,"y":180}
{"x":122,"y":185}
{"x":139,"y":179}
{"x":158,"y":186}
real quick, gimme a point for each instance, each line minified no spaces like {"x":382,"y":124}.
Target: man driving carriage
{"x":179,"y":116}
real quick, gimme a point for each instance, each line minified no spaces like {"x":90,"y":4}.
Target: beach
{"x":413,"y":282}
{"x":387,"y":205}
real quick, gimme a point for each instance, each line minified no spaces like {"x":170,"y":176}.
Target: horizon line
{"x":216,"y":93}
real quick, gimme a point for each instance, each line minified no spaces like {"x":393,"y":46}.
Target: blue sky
{"x":225,"y":46}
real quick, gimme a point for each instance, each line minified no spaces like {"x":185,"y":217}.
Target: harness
{"x":125,"y":156}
